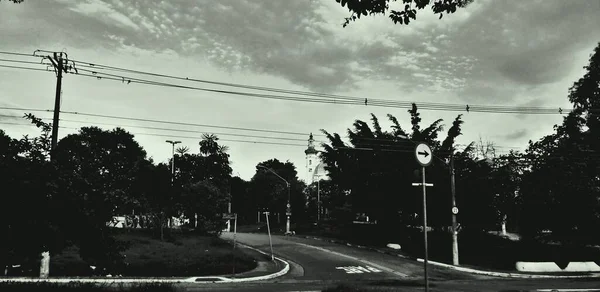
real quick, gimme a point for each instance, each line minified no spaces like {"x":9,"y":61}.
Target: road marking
{"x":569,"y":290}
{"x":355,"y":258}
{"x":358,"y":269}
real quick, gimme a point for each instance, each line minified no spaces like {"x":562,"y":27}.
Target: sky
{"x":494,"y":52}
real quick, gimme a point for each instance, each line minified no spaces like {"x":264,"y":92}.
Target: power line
{"x":378,"y":142}
{"x":24,"y":68}
{"x":185,"y":131}
{"x":18,"y":54}
{"x":24,"y":109}
{"x":324,"y":98}
{"x":353,"y":100}
{"x":22,"y":62}
{"x":372,"y":102}
{"x":182,"y":123}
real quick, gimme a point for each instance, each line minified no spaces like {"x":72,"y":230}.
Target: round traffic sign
{"x":288,"y":205}
{"x":454,"y":210}
{"x":424,"y":154}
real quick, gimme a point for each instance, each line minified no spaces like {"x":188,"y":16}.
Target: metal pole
{"x":318,"y":200}
{"x":270,"y":240}
{"x":425,"y":230}
{"x":288,"y":223}
{"x":454,"y":228}
{"x":234,"y":233}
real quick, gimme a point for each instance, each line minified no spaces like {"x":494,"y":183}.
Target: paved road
{"x":316,"y":265}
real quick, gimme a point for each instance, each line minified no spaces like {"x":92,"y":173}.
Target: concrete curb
{"x":509,"y":275}
{"x":282,"y":272}
{"x":461,"y":269}
{"x":552,"y":267}
{"x":198,"y":280}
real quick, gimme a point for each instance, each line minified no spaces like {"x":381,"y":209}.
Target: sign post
{"x":424,"y":157}
{"x":269,"y":230}
{"x":234,"y":242}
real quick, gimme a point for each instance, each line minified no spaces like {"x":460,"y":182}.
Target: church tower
{"x":312,"y":159}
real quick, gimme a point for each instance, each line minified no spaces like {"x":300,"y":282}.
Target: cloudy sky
{"x":495,"y":52}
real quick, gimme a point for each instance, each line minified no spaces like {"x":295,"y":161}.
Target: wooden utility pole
{"x":59,"y":67}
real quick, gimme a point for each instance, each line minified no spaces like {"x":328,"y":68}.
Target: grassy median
{"x":181,"y":254}
{"x":75,"y":287}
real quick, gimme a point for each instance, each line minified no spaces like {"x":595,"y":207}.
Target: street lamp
{"x":288,"y":211}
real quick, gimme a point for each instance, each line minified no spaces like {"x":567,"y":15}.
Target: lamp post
{"x":288,"y":211}
{"x":318,"y":197}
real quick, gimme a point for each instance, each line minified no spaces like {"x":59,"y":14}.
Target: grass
{"x":476,"y":249}
{"x":76,"y":287}
{"x":182,"y":255}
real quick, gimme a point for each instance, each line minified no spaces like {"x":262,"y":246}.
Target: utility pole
{"x":59,"y":65}
{"x":59,"y":70}
{"x":454,"y":213}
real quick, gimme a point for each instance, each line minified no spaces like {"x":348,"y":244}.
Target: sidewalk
{"x":265,"y":270}
{"x":465,"y":269}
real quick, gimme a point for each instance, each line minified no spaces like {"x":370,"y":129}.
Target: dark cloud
{"x":529,"y":42}
{"x":516,"y":43}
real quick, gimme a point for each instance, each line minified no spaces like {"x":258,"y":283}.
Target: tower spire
{"x":311,"y":145}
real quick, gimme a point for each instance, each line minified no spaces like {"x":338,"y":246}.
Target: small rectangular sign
{"x":228,"y":216}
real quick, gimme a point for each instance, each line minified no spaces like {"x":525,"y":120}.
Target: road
{"x":316,"y":265}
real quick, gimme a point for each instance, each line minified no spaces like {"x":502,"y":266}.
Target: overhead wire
{"x":353,"y":100}
{"x":324,"y":98}
{"x":378,"y":103}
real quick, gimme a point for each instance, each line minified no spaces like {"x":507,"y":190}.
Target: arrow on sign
{"x":424,"y":153}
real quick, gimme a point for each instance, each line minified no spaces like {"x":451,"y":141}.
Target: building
{"x":314,"y":168}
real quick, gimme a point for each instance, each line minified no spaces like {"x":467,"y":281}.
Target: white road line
{"x":355,"y":258}
{"x":569,"y":290}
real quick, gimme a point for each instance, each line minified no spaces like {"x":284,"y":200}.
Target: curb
{"x":198,"y":280}
{"x":460,"y":269}
{"x":282,"y":272}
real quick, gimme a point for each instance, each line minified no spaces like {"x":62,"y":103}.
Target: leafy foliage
{"x":563,"y":186}
{"x":409,"y":12}
{"x":374,"y":172}
{"x":269,"y":192}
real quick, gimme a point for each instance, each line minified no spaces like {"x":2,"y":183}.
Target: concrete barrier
{"x":550,"y":267}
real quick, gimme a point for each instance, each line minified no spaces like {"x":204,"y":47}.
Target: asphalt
{"x":314,"y":265}
{"x":317,"y":264}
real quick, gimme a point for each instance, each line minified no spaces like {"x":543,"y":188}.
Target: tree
{"x":209,"y":202}
{"x":182,"y":150}
{"x":506,"y":183}
{"x":360,"y":8}
{"x":270,"y":192}
{"x":563,"y":186}
{"x":241,"y":201}
{"x":15,"y":1}
{"x":154,"y":182}
{"x":374,"y":172}
{"x":28,"y":212}
{"x":97,"y":170}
